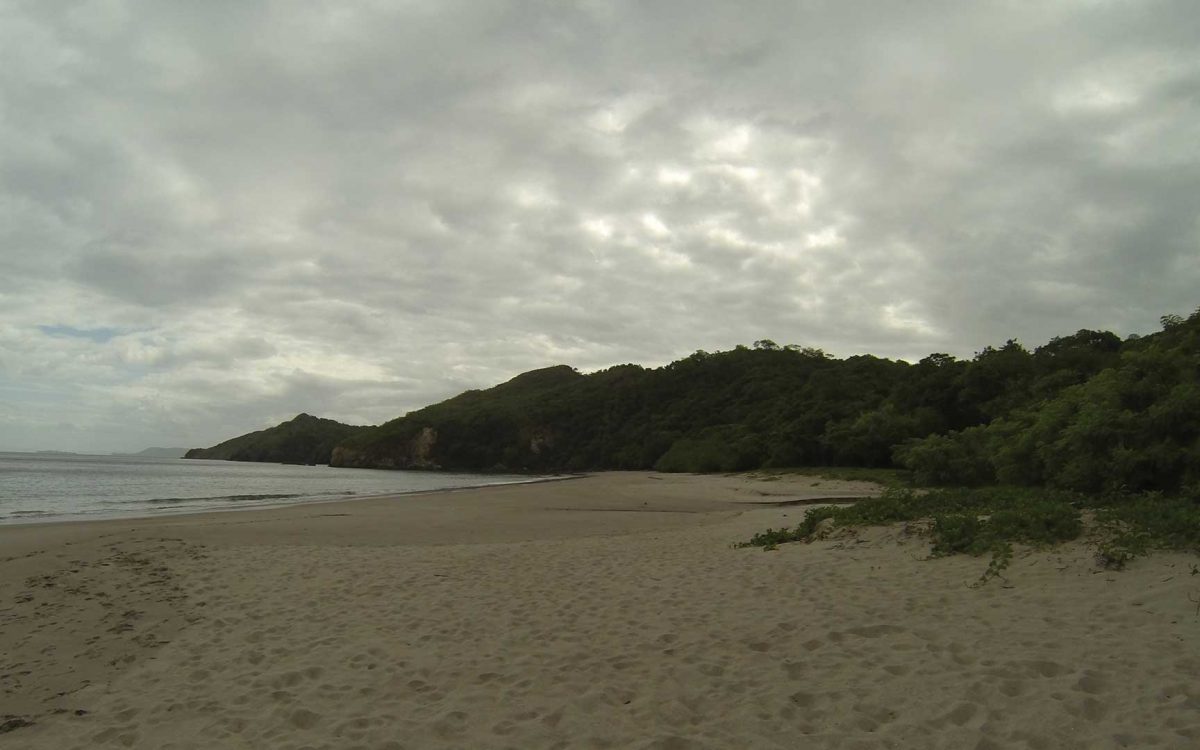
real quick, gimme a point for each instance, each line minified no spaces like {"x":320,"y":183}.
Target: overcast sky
{"x":215,"y":215}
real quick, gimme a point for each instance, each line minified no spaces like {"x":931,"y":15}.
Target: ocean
{"x":37,"y":487}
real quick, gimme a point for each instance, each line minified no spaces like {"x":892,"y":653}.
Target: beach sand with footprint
{"x":604,"y":612}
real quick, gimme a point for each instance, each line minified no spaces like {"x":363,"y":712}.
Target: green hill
{"x":302,"y":440}
{"x":724,"y":411}
{"x":781,"y":406}
{"x":1085,"y":411}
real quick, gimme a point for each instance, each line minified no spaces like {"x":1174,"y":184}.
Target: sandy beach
{"x":610,"y":611}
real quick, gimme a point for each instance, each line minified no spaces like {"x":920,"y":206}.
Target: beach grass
{"x":978,"y":521}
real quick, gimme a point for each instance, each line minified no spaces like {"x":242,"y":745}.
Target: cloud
{"x":213,"y":216}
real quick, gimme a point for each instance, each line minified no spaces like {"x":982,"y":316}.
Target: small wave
{"x":29,"y":513}
{"x":240,"y":498}
{"x":226,"y":498}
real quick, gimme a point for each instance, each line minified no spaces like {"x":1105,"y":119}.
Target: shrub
{"x":964,"y":521}
{"x":959,"y":458}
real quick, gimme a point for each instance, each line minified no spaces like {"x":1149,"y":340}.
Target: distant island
{"x":1086,"y":411}
{"x":157,"y":453}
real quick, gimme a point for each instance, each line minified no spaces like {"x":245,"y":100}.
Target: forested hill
{"x":1084,"y":410}
{"x":302,"y":440}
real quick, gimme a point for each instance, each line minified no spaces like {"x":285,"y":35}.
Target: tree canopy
{"x":1086,"y":411}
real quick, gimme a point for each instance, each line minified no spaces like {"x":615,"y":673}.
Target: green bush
{"x":1136,"y":524}
{"x":955,"y":534}
{"x":973,"y":521}
{"x":977,"y":521}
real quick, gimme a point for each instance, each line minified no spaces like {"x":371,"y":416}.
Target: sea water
{"x":36,"y":487}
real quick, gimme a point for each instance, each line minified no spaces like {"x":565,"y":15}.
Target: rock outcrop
{"x":417,"y":453}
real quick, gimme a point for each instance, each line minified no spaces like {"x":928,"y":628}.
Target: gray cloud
{"x":355,"y":211}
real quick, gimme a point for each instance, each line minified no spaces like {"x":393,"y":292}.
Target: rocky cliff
{"x":417,"y":453}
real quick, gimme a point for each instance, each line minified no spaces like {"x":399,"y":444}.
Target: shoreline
{"x":610,"y":611}
{"x":162,"y":513}
{"x":497,"y":501}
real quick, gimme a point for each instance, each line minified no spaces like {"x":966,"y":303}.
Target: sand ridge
{"x":638,"y":627}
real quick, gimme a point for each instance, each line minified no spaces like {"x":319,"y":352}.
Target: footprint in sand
{"x":1092,"y":683}
{"x":302,"y":718}
{"x":674,"y":743}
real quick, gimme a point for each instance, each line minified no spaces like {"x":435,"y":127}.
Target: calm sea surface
{"x":53,"y":487}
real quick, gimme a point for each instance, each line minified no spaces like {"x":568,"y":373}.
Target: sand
{"x":603,"y":612}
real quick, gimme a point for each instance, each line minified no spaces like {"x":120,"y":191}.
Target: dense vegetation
{"x":1132,"y":424}
{"x":728,"y":411}
{"x":1083,"y":412}
{"x":1087,"y":412}
{"x":1100,"y":426}
{"x":302,"y":440}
